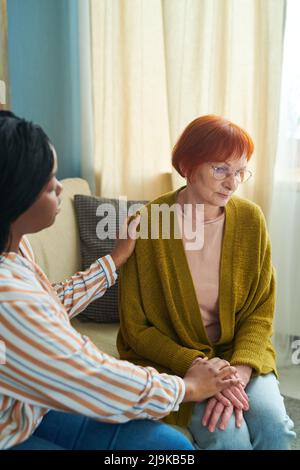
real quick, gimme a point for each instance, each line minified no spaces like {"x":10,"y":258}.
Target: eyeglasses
{"x":222,"y":172}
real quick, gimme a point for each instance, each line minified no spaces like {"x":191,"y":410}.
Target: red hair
{"x":210,"y":139}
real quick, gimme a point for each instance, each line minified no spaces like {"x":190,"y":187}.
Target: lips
{"x":224,"y":195}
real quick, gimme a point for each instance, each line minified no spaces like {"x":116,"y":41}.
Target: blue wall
{"x":44,"y":73}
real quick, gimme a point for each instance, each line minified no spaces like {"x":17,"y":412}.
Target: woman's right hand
{"x":206,"y":378}
{"x":126,"y":241}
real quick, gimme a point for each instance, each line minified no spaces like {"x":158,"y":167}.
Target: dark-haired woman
{"x":57,"y":390}
{"x":192,"y":300}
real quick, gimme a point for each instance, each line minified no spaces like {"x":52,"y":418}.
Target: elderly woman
{"x":178,"y":303}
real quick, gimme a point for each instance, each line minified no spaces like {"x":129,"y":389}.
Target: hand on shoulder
{"x":126,"y":241}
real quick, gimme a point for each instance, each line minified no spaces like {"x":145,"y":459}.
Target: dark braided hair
{"x":26,"y":163}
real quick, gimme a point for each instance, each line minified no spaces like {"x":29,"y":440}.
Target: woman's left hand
{"x":220,"y":407}
{"x":235,"y":396}
{"x":215,"y":412}
{"x":244,"y":372}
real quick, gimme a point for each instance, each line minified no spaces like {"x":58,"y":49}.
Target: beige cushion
{"x":57,"y":248}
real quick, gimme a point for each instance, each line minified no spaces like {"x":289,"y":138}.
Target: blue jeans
{"x":266,"y":425}
{"x":65,"y":431}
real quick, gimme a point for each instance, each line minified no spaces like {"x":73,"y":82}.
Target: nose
{"x":231,"y":183}
{"x":59,"y":188}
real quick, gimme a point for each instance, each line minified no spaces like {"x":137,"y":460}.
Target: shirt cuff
{"x":181,"y":395}
{"x":109,"y":269}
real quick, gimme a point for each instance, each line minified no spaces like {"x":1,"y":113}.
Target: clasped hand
{"x":222,"y":405}
{"x":207,"y":377}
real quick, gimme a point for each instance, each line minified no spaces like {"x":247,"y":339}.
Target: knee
{"x":286,"y":433}
{"x":150,"y":435}
{"x":273,"y":431}
{"x":170,"y":437}
{"x":232,"y":438}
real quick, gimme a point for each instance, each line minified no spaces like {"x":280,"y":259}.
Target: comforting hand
{"x":125,"y":243}
{"x":207,"y":377}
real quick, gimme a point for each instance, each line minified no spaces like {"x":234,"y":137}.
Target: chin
{"x":222,"y":200}
{"x":223,"y":203}
{"x":52,"y":221}
{"x":45,"y":224}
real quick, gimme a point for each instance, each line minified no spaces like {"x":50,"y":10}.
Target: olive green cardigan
{"x":160,"y":320}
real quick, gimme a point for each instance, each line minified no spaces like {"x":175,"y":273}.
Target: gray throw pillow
{"x":100,"y":217}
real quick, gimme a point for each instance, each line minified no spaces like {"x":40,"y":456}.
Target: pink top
{"x":204,"y":266}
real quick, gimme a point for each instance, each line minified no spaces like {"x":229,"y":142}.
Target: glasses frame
{"x":229,"y":173}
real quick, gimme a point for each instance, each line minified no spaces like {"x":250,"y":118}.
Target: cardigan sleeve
{"x":254,"y":322}
{"x":145,"y":340}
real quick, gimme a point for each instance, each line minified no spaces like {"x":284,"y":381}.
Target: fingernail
{"x":222,"y":427}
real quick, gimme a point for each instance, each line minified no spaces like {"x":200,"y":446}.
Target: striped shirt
{"x":49,"y":365}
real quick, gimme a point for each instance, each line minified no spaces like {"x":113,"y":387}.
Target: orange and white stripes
{"x":49,"y":365}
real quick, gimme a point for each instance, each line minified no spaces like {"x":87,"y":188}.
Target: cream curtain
{"x":158,"y":64}
{"x":3,"y":54}
{"x":131,"y":123}
{"x":285,"y":209}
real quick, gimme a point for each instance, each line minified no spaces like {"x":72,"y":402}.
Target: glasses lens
{"x":247,"y":175}
{"x":220,"y":172}
{"x":244,"y":175}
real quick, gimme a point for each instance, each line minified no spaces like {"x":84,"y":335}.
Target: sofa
{"x":57,"y":252}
